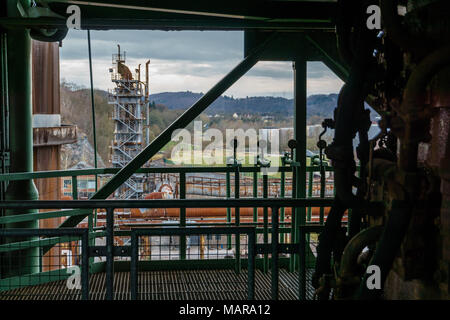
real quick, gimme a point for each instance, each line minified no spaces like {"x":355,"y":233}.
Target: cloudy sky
{"x":184,"y":60}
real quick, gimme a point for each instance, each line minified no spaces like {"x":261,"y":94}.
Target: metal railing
{"x":110,"y":250}
{"x":277,"y":206}
{"x":10,"y":257}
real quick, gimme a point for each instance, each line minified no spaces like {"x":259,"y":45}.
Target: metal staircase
{"x":127,"y":98}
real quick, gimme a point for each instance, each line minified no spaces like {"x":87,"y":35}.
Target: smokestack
{"x":146,"y":80}
{"x":139,"y":72}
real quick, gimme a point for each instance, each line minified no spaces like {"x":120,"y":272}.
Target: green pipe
{"x":310,"y":187}
{"x":183,"y":216}
{"x":255,"y":195}
{"x":4,"y":111}
{"x":266,"y":223}
{"x":237,"y":220}
{"x":322,"y":192}
{"x":21,"y":138}
{"x":282,"y":195}
{"x":228,"y":190}
{"x":293,"y":216}
{"x":74,"y":188}
{"x":185,"y":119}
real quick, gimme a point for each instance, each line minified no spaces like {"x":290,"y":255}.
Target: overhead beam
{"x":327,"y":52}
{"x":187,"y":117}
{"x":175,"y":22}
{"x":234,"y":9}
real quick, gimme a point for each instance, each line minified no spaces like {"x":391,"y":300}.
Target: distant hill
{"x":318,"y":105}
{"x":167,"y":106}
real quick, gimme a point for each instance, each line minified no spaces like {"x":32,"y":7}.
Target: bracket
{"x":281,"y":248}
{"x":101,"y":251}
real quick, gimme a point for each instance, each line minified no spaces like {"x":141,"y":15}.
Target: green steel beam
{"x":325,"y":44}
{"x":331,"y":59}
{"x":234,"y":10}
{"x":282,"y":195}
{"x":20,"y":100}
{"x":27,"y":217}
{"x":194,"y":111}
{"x":218,"y":24}
{"x":178,"y":203}
{"x":35,"y":244}
{"x":106,"y":171}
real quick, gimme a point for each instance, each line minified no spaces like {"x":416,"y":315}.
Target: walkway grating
{"x":171,"y":285}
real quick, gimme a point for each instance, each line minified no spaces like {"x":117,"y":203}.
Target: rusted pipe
{"x":349,"y":277}
{"x":205,"y":212}
{"x":398,"y":33}
{"x":413,"y":104}
{"x":387,"y":248}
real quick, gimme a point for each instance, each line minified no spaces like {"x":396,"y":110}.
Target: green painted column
{"x":282,"y":210}
{"x":228,"y":190}
{"x":255,"y":195}
{"x":300,"y":68}
{"x":183,"y":216}
{"x":21,"y":136}
{"x":266,"y":222}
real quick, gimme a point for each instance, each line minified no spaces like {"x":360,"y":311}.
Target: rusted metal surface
{"x":47,"y":158}
{"x":47,"y":141}
{"x":54,"y":135}
{"x":439,"y":153}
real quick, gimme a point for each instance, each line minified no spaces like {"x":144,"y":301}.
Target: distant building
{"x":85,"y":184}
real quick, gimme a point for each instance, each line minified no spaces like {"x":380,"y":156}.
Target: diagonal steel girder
{"x":190,"y":114}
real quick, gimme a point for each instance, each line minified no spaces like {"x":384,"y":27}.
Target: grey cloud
{"x":180,"y":45}
{"x":318,"y":70}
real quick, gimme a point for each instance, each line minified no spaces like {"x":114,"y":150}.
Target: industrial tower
{"x":129,"y":98}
